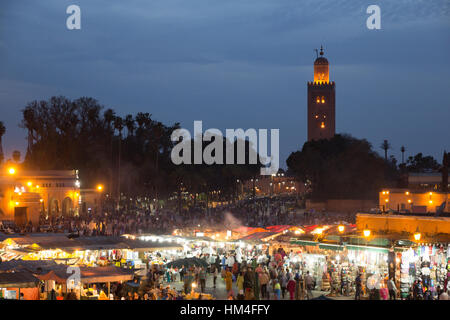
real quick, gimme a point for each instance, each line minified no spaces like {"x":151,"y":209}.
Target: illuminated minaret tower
{"x":321,"y":101}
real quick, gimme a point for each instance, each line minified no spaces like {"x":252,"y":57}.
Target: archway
{"x":67,"y":207}
{"x":53,"y":208}
{"x":20,"y":216}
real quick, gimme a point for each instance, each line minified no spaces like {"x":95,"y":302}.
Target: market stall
{"x":89,"y":278}
{"x":13,"y":284}
{"x":429,"y":263}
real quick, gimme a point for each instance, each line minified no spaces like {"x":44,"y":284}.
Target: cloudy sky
{"x":236,"y":64}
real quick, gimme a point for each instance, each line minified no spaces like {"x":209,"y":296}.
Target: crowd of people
{"x":258,"y":212}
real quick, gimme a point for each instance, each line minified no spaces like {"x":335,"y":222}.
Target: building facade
{"x":416,"y":201}
{"x":321,"y":102}
{"x":276,"y":184}
{"x":24,"y":195}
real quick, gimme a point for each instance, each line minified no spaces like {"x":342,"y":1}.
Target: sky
{"x":236,"y":64}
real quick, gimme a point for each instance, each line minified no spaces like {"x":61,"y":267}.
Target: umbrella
{"x":187,"y":262}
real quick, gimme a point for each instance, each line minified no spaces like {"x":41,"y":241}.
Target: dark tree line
{"x":342,"y":168}
{"x":129,"y":155}
{"x":348,"y":168}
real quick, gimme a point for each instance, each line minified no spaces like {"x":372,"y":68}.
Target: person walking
{"x":229,"y":281}
{"x":419,"y":290}
{"x":309,"y":281}
{"x":264,"y":280}
{"x":392,"y":289}
{"x":298,"y":284}
{"x":256,"y":285}
{"x":283,"y":280}
{"x":291,"y":286}
{"x":188,"y":279}
{"x":202,"y":278}
{"x":277,"y":289}
{"x":248,"y":284}
{"x":182,"y":273}
{"x":240,"y":283}
{"x":215,"y":273}
{"x":358,"y":284}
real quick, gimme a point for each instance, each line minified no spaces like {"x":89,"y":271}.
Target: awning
{"x":329,"y":246}
{"x":367,"y":248}
{"x":305,"y":242}
{"x":91,"y":274}
{"x":18,"y":280}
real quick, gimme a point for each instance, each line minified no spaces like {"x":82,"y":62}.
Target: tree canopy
{"x":420,"y":164}
{"x":81,"y":134}
{"x":342,"y":167}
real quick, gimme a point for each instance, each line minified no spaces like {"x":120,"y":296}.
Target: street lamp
{"x":11,"y":171}
{"x":366,"y":232}
{"x":341,"y":228}
{"x":100,"y":187}
{"x":417,"y":235}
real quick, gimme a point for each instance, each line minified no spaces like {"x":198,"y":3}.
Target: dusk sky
{"x":236,"y":64}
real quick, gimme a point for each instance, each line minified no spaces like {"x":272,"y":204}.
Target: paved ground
{"x":220,"y":292}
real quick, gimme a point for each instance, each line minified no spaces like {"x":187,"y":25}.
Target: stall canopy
{"x":188,"y":262}
{"x":89,"y":274}
{"x":260,"y":236}
{"x":18,"y":280}
{"x":37,"y":242}
{"x":248,"y":230}
{"x":27,"y":265}
{"x":282,"y":228}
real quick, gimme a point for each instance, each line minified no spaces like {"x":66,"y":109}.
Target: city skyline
{"x":184,"y":62}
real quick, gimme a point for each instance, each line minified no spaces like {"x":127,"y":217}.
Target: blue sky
{"x":236,"y":64}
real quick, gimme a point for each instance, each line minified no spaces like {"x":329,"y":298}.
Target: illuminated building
{"x":417,"y":201}
{"x":25,"y":194}
{"x":321,"y":102}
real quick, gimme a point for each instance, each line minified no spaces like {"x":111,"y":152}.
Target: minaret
{"x":321,"y":102}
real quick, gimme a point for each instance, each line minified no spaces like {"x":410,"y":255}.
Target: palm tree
{"x":109,"y":115}
{"x":402,"y":149}
{"x":2,"y":133}
{"x":385,"y":146}
{"x":118,"y":125}
{"x":29,"y":122}
{"x":130,"y":124}
{"x":108,"y":118}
